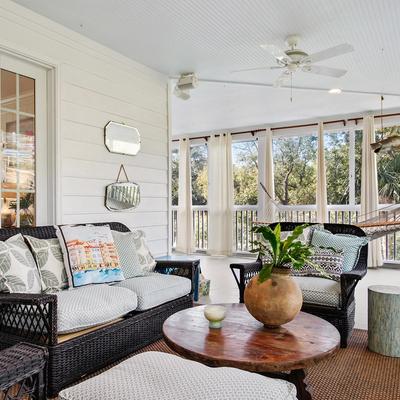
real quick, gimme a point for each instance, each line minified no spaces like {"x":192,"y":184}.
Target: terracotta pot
{"x":276,"y":301}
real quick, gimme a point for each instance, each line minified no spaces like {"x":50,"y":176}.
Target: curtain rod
{"x":277,"y":128}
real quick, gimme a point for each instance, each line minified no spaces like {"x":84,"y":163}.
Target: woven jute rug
{"x":354,"y":373}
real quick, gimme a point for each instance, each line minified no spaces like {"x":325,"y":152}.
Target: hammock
{"x":375,"y":224}
{"x":385,"y":221}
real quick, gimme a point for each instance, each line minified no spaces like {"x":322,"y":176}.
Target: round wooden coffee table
{"x":244,"y":343}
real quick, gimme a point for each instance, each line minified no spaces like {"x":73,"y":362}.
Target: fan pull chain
{"x":291,"y":87}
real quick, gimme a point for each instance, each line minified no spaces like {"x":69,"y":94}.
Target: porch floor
{"x":224,"y":290}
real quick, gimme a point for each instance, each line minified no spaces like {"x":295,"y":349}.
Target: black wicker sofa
{"x":341,"y":317}
{"x":71,"y":359}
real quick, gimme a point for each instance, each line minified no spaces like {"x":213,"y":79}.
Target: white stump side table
{"x":384,"y":320}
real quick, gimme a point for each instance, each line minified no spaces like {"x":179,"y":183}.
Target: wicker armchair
{"x":33,"y":318}
{"x":22,"y":372}
{"x":341,"y":317}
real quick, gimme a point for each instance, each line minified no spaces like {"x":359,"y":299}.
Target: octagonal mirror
{"x":121,"y":138}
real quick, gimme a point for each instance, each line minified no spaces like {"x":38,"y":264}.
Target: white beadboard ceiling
{"x":214,"y":37}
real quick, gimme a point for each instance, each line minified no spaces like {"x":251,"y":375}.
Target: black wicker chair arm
{"x":353,"y":275}
{"x":243,"y":272}
{"x":186,"y":268}
{"x":20,"y":362}
{"x":27,"y":298}
{"x":348,"y":283}
{"x":29,"y":317}
{"x":247,"y":267}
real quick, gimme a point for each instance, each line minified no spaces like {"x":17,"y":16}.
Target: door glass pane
{"x":9,"y":148}
{"x":26,"y":94}
{"x":17,"y":133}
{"x":26,"y":153}
{"x":8,"y":89}
{"x":8,"y":210}
{"x":27,"y":209}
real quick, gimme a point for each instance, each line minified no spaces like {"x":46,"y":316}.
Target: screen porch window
{"x":17,"y":150}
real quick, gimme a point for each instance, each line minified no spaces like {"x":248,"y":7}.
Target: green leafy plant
{"x":282,"y":253}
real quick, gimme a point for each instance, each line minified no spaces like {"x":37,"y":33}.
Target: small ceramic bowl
{"x":215,"y":315}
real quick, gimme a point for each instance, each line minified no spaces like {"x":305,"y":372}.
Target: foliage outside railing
{"x":244,"y":216}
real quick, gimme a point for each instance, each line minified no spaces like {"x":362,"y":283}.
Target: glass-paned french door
{"x":22,"y":119}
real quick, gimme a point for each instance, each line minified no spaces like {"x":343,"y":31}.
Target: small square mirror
{"x":121,"y":139}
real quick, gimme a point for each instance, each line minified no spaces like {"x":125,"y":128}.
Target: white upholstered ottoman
{"x":161,"y":376}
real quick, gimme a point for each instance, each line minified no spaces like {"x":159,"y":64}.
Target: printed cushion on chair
{"x":18,"y":271}
{"x":156,"y":376}
{"x":155,"y":289}
{"x":350,"y":245}
{"x":89,"y":306}
{"x":49,"y":259}
{"x":325,"y":292}
{"x":329,"y":260}
{"x":90,"y":255}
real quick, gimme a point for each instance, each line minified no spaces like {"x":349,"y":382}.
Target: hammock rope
{"x":375,"y":224}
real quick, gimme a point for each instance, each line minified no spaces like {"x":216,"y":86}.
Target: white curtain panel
{"x":184,"y":234}
{"x":266,"y":177}
{"x":220,"y":195}
{"x":322,"y":198}
{"x":369,"y":187}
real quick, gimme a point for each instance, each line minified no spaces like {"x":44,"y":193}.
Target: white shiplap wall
{"x":95,"y":85}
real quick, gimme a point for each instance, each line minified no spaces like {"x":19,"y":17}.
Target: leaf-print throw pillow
{"x":146,"y":260}
{"x":127,"y":243}
{"x":90,"y":255}
{"x":18,"y":271}
{"x":49,"y":259}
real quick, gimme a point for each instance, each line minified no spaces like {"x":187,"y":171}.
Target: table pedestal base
{"x":298,"y":378}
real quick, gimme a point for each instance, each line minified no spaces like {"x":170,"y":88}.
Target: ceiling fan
{"x":294,"y":59}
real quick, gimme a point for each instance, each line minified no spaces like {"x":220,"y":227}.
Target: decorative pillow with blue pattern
{"x":350,"y":245}
{"x":329,"y":260}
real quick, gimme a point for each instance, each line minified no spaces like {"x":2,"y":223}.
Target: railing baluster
{"x":241,"y":230}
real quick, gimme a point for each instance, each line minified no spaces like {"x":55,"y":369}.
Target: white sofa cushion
{"x":92,"y":305}
{"x":320,"y":291}
{"x":155,"y":376}
{"x":155,"y":289}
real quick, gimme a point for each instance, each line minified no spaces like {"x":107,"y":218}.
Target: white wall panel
{"x":96,"y":85}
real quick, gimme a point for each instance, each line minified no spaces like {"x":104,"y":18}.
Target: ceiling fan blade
{"x":329,"y":53}
{"x":258,"y":68}
{"x":320,"y":70}
{"x":282,"y":79}
{"x":277,"y":52}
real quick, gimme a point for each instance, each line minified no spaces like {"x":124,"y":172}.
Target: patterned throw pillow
{"x":49,"y":259}
{"x":350,"y":245}
{"x":126,"y":243}
{"x":146,"y":260}
{"x":18,"y":271}
{"x":329,"y":260}
{"x":306,"y":236}
{"x":90,"y":255}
